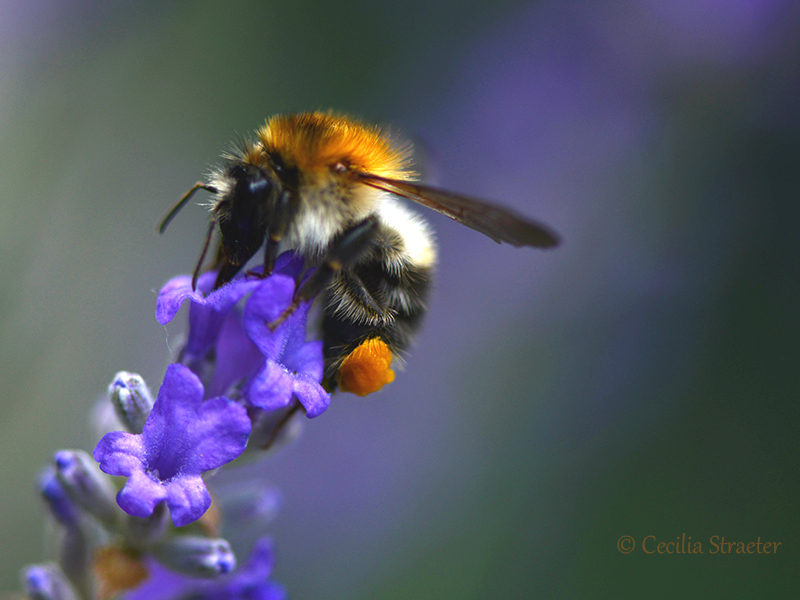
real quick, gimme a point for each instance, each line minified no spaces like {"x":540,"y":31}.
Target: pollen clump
{"x":367,"y":368}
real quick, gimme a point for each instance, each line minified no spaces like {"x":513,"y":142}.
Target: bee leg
{"x":279,"y":218}
{"x":357,"y":290}
{"x":209,"y":235}
{"x":282,"y":214}
{"x":343,"y":252}
{"x":227,"y":271}
{"x":270,"y":252}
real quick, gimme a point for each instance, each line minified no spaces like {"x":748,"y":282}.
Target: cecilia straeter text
{"x":684,"y":544}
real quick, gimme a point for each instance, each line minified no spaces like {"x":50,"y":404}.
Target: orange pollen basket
{"x":367,"y":368}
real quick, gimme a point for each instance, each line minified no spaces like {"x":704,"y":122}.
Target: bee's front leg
{"x":282,"y":214}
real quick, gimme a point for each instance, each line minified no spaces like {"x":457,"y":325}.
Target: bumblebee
{"x":327,"y":186}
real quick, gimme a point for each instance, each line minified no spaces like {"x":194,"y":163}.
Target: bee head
{"x":245,"y":203}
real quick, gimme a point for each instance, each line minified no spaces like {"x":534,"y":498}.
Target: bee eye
{"x":278,"y":164}
{"x":249,"y":180}
{"x":287,"y":174}
{"x":237,"y":172}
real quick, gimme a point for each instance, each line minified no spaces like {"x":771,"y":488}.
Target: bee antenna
{"x":182,"y":202}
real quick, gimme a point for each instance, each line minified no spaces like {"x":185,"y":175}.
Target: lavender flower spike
{"x":184,"y":436}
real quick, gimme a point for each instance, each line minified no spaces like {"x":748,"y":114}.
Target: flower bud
{"x":196,"y":556}
{"x":86,"y":485}
{"x":70,"y":542}
{"x":248,"y":502}
{"x":131,"y":399}
{"x":56,"y":498}
{"x":46,"y":582}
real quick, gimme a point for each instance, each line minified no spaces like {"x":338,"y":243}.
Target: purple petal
{"x":265,"y":305}
{"x":180,"y":391}
{"x":306,"y":358}
{"x":237,"y":357}
{"x":259,"y":565}
{"x":311,"y":395}
{"x":178,"y":289}
{"x":187,"y":499}
{"x":221,"y":431}
{"x":290,"y":264}
{"x":226,"y":297}
{"x":288,"y":356}
{"x":161,"y":584}
{"x":205,"y":324}
{"x":185,"y":435}
{"x":120,"y":453}
{"x":295,"y":330}
{"x":140,"y":494}
{"x":271,"y":388}
{"x":174,"y":411}
{"x":171,"y":297}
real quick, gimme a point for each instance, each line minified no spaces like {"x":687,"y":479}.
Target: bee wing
{"x":500,"y":224}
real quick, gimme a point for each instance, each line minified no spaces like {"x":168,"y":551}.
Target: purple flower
{"x":275,"y":365}
{"x":208,"y":314}
{"x":183,"y":437}
{"x":249,"y":582}
{"x":209,"y":308}
{"x":292,"y":366}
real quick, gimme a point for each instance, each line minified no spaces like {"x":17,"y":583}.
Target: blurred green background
{"x":640,"y":380}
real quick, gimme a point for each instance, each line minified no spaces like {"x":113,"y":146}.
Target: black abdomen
{"x":384,"y":296}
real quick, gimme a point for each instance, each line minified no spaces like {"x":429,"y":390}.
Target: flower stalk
{"x":134,"y":516}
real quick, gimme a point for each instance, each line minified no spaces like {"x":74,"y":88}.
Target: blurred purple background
{"x":638,"y":380}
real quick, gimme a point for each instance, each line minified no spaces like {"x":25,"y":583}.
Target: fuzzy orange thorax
{"x":315,"y":141}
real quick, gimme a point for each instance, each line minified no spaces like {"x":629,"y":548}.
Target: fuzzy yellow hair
{"x":317,"y":140}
